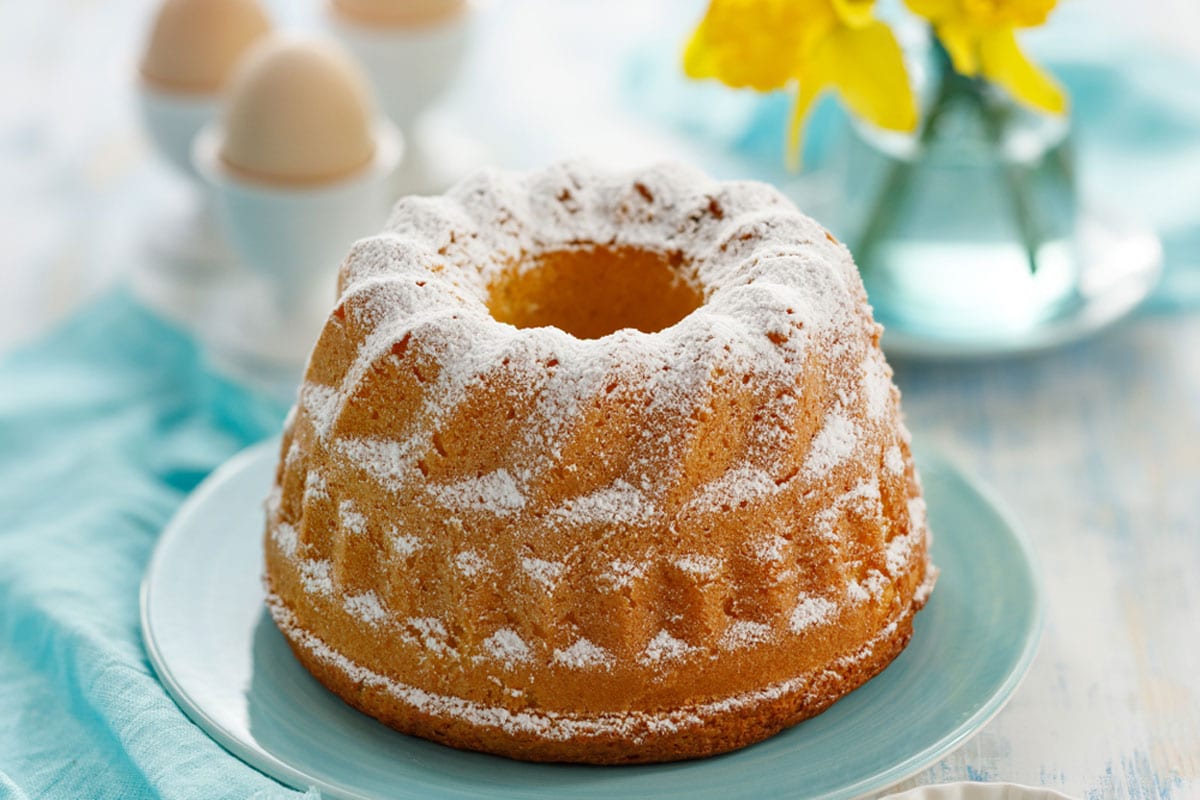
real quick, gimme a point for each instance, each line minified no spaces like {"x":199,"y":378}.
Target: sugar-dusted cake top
{"x":774,"y":284}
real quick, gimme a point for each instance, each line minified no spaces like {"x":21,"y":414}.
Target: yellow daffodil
{"x":820,"y":45}
{"x":980,"y":37}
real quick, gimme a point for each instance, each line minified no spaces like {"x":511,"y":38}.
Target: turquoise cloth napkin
{"x":105,"y":427}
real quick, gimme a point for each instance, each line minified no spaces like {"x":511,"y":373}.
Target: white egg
{"x":194,"y":45}
{"x":299,"y":111}
{"x":397,"y":13}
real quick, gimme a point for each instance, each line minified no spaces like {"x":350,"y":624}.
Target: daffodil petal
{"x":984,"y":14}
{"x":932,"y":10}
{"x":961,"y":41}
{"x":866,"y":67}
{"x":699,"y":58}
{"x":754,"y":43}
{"x":855,"y":13}
{"x":1028,"y":13}
{"x":702,"y":58}
{"x":810,"y":90}
{"x":1004,"y":63}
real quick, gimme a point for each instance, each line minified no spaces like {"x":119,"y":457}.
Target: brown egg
{"x":299,"y":112}
{"x":397,"y":13}
{"x":195,"y":44}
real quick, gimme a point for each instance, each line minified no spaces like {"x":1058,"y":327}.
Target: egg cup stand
{"x":411,"y":68}
{"x":260,"y":337}
{"x":289,"y":241}
{"x":239,"y":320}
{"x":183,"y":241}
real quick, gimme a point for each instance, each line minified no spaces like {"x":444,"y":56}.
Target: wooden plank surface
{"x":1096,"y":452}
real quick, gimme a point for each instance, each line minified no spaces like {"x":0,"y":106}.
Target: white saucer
{"x":1122,"y":264}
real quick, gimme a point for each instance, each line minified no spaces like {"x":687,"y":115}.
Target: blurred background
{"x":544,"y":79}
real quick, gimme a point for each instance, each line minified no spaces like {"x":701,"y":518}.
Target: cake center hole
{"x":592,"y":292}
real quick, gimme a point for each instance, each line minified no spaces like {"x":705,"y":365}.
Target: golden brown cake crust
{"x":564,"y":524}
{"x":720,"y":734}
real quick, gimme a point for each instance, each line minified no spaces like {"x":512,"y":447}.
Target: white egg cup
{"x":185,"y":242}
{"x":290,"y":241}
{"x":410,"y":68}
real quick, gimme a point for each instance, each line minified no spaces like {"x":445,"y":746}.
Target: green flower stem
{"x":1015,"y":176}
{"x":896,"y":184}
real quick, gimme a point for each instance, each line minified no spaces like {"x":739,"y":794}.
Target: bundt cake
{"x":598,"y":467}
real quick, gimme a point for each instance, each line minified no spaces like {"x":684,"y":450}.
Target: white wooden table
{"x":1096,"y":451}
{"x":1095,"y":448}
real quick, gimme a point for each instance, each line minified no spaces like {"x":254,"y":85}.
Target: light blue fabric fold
{"x":105,"y":427}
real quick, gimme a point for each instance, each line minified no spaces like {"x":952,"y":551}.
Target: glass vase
{"x":966,"y":230}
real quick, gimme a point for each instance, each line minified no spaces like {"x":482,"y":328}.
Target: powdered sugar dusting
{"x":699,"y":565}
{"x":322,"y":404}
{"x":899,"y":551}
{"x":917,"y":512}
{"x":893,"y":459}
{"x":507,"y":647}
{"x":870,"y":588}
{"x":618,"y":503}
{"x":388,"y":462}
{"x":285,"y":538}
{"x":865,"y":497}
{"x":664,"y":647}
{"x":315,"y":487}
{"x":622,"y":573}
{"x":545,"y":573}
{"x":351,"y":518}
{"x":273,"y":501}
{"x":744,"y":633}
{"x":428,"y":633}
{"x":771,"y":549}
{"x":317,"y":577}
{"x":365,"y":606}
{"x":496,"y":493}
{"x":404,"y":545}
{"x":857,"y":592}
{"x":876,"y":386}
{"x":584,"y":654}
{"x":549,"y":725}
{"x":738,"y":485}
{"x":470,"y":563}
{"x":921,"y":595}
{"x":811,"y":611}
{"x":293,"y":451}
{"x":832,"y":445}
{"x":867,"y":650}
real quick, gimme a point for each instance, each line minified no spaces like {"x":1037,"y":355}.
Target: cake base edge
{"x":645,"y":738}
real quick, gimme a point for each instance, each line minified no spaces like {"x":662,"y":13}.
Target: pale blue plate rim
{"x":296,"y":777}
{"x":255,"y":757}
